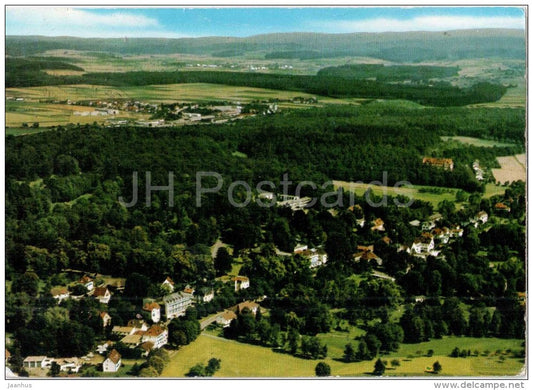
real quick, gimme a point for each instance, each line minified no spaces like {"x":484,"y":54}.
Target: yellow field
{"x":513,"y":168}
{"x":162,"y":93}
{"x":244,"y":360}
{"x":64,"y":72}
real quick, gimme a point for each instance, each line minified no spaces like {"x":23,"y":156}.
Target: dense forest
{"x":442,"y":94}
{"x":389,"y":73}
{"x":396,"y":46}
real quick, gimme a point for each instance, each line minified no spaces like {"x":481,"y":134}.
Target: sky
{"x":240,"y":22}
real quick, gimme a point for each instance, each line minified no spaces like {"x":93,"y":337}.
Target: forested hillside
{"x":397,"y":46}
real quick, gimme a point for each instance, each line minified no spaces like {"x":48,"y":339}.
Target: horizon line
{"x":263,"y":34}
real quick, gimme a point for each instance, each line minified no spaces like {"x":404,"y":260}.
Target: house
{"x":123,"y":330}
{"x":442,"y":234}
{"x":156,"y":335}
{"x":87,"y":282}
{"x":72,"y":364}
{"x":386,"y":240}
{"x":206,"y":294}
{"x":378,"y":225}
{"x":113,"y":361}
{"x":423,"y":244}
{"x":176,"y":304}
{"x":189,"y":290}
{"x":502,"y":207}
{"x":225,"y":318}
{"x":154,"y":310}
{"x":367,"y":255}
{"x":132,"y":340}
{"x":241,"y":282}
{"x":106,"y":318}
{"x":102,"y":294}
{"x":456,"y":232}
{"x":60,"y":293}
{"x":168,"y":284}
{"x":316,"y":257}
{"x":443,"y":163}
{"x":248,"y":305}
{"x":480,"y":218}
{"x":37,"y":362}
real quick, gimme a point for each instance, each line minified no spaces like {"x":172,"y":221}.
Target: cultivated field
{"x":513,"y":168}
{"x":31,"y":109}
{"x":167,"y":93}
{"x":244,"y":360}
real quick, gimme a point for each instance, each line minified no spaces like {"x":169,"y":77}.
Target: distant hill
{"x":397,"y":46}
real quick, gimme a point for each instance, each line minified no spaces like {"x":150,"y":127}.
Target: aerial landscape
{"x":300,"y":192}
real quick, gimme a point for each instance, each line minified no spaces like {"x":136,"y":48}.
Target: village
{"x":148,"y":330}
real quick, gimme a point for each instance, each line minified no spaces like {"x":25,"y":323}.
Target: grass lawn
{"x":492,"y":189}
{"x":24,"y":130}
{"x":410,"y":192}
{"x":475,"y":141}
{"x":244,"y":360}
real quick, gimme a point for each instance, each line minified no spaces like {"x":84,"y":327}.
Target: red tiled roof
{"x":437,"y":161}
{"x":100,"y":291}
{"x":114,"y":356}
{"x":240,"y":278}
{"x":149,"y":306}
{"x":85,"y":279}
{"x":169,"y":280}
{"x":155,"y":330}
{"x":228,"y":315}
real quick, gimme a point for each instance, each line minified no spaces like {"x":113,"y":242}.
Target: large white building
{"x":176,"y":304}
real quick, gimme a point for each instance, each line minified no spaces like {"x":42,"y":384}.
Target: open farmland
{"x":166,"y":93}
{"x":513,"y":168}
{"x":49,"y":114}
{"x":282,"y":365}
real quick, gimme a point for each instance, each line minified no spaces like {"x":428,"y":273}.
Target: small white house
{"x":106,"y":318}
{"x":168,"y":284}
{"x":113,"y":361}
{"x":60,"y":293}
{"x":102,"y":294}
{"x":225,"y":318}
{"x":241,"y":282}
{"x":87,"y":282}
